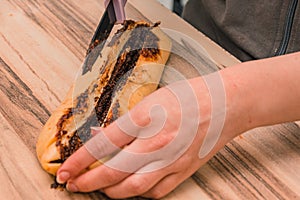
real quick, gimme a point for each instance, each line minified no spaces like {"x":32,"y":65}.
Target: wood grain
{"x":43,"y":44}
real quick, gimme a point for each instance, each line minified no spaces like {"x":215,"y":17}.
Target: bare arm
{"x":266,"y":91}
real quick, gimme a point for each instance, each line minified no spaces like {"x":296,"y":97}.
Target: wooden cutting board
{"x":42,"y":46}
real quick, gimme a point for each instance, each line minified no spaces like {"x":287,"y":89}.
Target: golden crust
{"x":145,"y":76}
{"x":45,"y":147}
{"x":142,"y":81}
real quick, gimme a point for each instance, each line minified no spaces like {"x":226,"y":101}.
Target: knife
{"x":113,"y":14}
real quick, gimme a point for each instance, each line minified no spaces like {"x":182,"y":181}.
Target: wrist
{"x":221,"y":105}
{"x":239,"y":101}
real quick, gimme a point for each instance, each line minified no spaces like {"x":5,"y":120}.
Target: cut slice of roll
{"x":128,"y":69}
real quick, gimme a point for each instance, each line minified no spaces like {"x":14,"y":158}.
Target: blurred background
{"x":174,"y":5}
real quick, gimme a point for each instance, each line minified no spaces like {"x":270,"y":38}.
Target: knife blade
{"x":106,"y":24}
{"x":104,"y":28}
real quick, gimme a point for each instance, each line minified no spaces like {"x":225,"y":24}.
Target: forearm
{"x":264,"y":92}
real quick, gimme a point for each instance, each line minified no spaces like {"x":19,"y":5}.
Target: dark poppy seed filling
{"x":84,"y":132}
{"x":81,"y":103}
{"x":92,"y":56}
{"x":141,"y":42}
{"x":93,"y":52}
{"x":134,"y":47}
{"x":94,"y":49}
{"x":57,"y":186}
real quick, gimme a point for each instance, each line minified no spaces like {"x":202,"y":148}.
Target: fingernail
{"x":62,"y":177}
{"x":72,"y":187}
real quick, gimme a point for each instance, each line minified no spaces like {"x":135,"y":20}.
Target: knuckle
{"x":140,"y":117}
{"x":111,"y":175}
{"x":186,"y":161}
{"x":137,"y":186}
{"x":161,"y":141}
{"x":83,"y":185}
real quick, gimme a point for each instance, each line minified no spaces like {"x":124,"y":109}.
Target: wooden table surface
{"x":42,"y":46}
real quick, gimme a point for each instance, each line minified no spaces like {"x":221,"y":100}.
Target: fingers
{"x":150,"y":185}
{"x":73,"y":166}
{"x":115,"y":135}
{"x":96,"y":179}
{"x":135,"y":185}
{"x":165,"y":186}
{"x":144,"y":156}
{"x":102,"y":144}
{"x":122,"y":165}
{"x":118,"y":184}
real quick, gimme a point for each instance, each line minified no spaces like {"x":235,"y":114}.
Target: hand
{"x":165,"y":139}
{"x":252,"y":100}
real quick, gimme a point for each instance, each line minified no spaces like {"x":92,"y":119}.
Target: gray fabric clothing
{"x":248,"y":29}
